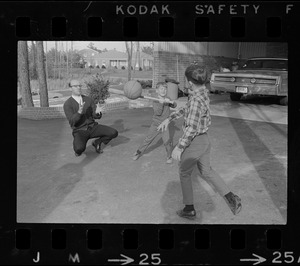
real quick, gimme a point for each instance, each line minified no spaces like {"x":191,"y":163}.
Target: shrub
{"x":103,"y":66}
{"x":97,"y":89}
{"x":140,"y":69}
{"x":123,"y":67}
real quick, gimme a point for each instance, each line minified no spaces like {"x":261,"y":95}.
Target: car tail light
{"x":228,"y":79}
{"x":266,"y":81}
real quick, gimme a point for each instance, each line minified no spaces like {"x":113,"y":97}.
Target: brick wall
{"x":54,"y":112}
{"x":173,"y":65}
{"x":39,"y":113}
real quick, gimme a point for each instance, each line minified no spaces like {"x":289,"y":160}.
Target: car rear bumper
{"x":251,"y":89}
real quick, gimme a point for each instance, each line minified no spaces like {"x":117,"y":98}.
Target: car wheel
{"x":235,"y":96}
{"x":283,"y":100}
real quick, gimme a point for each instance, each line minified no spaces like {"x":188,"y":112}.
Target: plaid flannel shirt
{"x":196,"y":117}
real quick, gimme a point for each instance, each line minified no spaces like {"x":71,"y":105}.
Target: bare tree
{"x":129,"y":48}
{"x":67,"y":52}
{"x":138,"y":54}
{"x":34,"y":71}
{"x":23,"y":73}
{"x":44,"y":102}
{"x":55,"y":62}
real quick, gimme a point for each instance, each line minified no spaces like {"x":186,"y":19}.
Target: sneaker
{"x":234,"y":203}
{"x":136,"y":156}
{"x":169,"y":160}
{"x":187,"y":214}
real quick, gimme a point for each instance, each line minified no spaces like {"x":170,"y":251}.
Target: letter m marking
{"x":75,"y":258}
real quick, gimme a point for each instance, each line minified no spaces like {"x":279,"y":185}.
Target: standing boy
{"x":193,"y":148}
{"x":161,"y":110}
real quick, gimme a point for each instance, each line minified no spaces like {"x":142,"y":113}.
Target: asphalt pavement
{"x":54,"y":186}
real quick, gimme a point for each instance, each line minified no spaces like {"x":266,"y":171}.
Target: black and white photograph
{"x":136,"y":132}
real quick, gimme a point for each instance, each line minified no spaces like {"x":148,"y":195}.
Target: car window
{"x":266,"y":64}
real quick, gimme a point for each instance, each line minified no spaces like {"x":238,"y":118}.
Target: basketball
{"x":132,"y":89}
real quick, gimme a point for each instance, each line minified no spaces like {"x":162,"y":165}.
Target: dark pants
{"x":198,"y":155}
{"x":151,"y":135}
{"x":104,"y":134}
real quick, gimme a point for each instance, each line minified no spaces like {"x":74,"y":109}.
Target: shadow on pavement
{"x":172,"y":128}
{"x":171,"y":200}
{"x":260,"y":100}
{"x":261,"y":114}
{"x":65,"y":179}
{"x":41,"y":186}
{"x":270,"y":170}
{"x":119,"y":126}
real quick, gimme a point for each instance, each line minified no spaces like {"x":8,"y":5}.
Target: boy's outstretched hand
{"x":176,"y":153}
{"x":167,"y":100}
{"x":164,"y":125}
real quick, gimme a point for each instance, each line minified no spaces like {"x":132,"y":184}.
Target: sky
{"x":79,"y":45}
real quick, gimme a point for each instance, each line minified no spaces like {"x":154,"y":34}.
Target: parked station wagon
{"x":258,"y":76}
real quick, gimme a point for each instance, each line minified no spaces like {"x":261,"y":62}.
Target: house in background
{"x":89,"y":56}
{"x":116,"y":59}
{"x":172,"y":58}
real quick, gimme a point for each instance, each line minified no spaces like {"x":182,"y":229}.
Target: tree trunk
{"x":139,"y":55}
{"x":47,"y":73}
{"x":44,"y":102}
{"x":55,"y":60}
{"x":23,"y":71}
{"x":34,"y":71}
{"x":129,"y":52}
{"x":67,"y":52}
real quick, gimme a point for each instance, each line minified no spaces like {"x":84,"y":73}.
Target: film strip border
{"x":152,"y":244}
{"x":166,"y":27}
{"x":214,"y":20}
{"x":64,"y":244}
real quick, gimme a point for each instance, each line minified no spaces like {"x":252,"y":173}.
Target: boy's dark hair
{"x":197,"y":73}
{"x":164,"y":84}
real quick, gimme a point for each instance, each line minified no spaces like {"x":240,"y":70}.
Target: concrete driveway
{"x":54,"y":186}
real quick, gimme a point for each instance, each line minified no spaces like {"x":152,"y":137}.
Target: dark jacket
{"x":86,"y":118}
